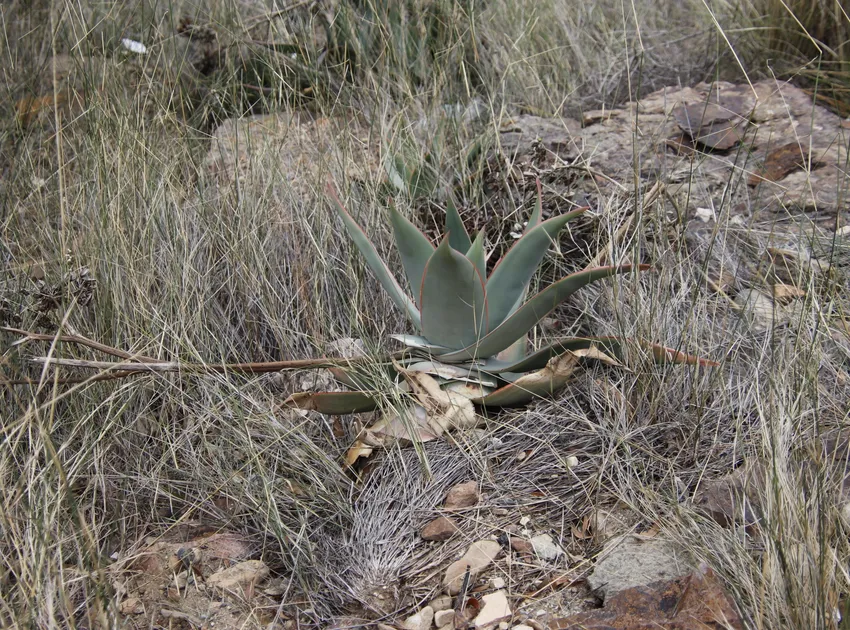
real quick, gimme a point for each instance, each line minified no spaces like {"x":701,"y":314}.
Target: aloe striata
{"x":472,"y":328}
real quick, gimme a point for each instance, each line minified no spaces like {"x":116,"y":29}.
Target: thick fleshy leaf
{"x":376,"y":264}
{"x":535,"y":385}
{"x":362,"y":379}
{"x":420,"y":343}
{"x":413,"y":246}
{"x":334,"y":403}
{"x":510,"y":278}
{"x":477,"y":256}
{"x":613,"y":345}
{"x":454,"y":309}
{"x":517,"y":349}
{"x":537,"y":213}
{"x":535,"y":309}
{"x":451,"y":372}
{"x":458,"y":236}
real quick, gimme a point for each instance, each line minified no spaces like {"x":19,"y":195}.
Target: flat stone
{"x":421,"y":620}
{"x":440,"y":529}
{"x":545,"y":547}
{"x":494,"y":608}
{"x":240,"y":578}
{"x":462,"y":495}
{"x":479,"y":555}
{"x":627,"y":562}
{"x":443,"y":602}
{"x":710,"y":118}
{"x":444,"y":618}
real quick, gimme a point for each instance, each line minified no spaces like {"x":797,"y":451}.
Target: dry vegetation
{"x":185,"y":266}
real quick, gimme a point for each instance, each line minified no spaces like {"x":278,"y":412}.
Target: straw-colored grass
{"x":192,"y":267}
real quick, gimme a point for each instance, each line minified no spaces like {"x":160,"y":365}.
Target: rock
{"x":607,"y":523}
{"x":731,"y":499}
{"x":627,"y":562}
{"x":720,"y":119}
{"x":522,"y":546}
{"x":444,"y":618}
{"x":523,"y":135}
{"x":440,"y":529}
{"x":462,"y":495}
{"x":692,"y":601}
{"x":132,"y":606}
{"x":757,"y":308}
{"x":497,"y":582}
{"x":443,"y":602}
{"x":494,"y":608}
{"x":479,"y":555}
{"x":347,"y":348}
{"x":545,"y":547}
{"x":296,"y":143}
{"x":241,"y":578}
{"x":421,"y":620}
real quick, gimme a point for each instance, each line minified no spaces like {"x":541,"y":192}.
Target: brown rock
{"x":439,"y":529}
{"x":522,"y":546}
{"x":132,"y":606}
{"x":779,"y":162}
{"x":732,"y":498}
{"x":692,"y":601}
{"x":462,"y":495}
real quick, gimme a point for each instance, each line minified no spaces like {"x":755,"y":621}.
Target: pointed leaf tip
{"x":455,"y":230}
{"x":510,"y":278}
{"x":414,"y":248}
{"x":374,"y":260}
{"x":454,"y":306}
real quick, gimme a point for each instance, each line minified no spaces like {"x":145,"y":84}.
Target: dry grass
{"x":256,"y":269}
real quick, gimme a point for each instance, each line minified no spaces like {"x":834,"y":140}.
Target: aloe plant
{"x":472,"y":327}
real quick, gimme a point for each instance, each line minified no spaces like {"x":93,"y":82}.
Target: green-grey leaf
{"x":376,"y":264}
{"x":538,"y":359}
{"x":413,"y":246}
{"x":458,"y":236}
{"x":334,"y":403}
{"x":511,"y":395}
{"x":397,"y":173}
{"x":612,"y":345}
{"x":420,"y":343}
{"x":537,"y":213}
{"x":510,"y":278}
{"x":454,"y":309}
{"x":532,"y":312}
{"x":477,"y":256}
